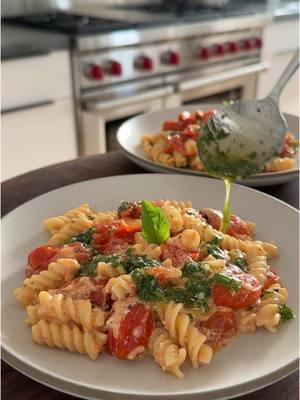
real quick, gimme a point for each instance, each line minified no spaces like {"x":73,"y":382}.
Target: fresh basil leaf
{"x":286,"y":313}
{"x":155,"y":226}
{"x":132,"y":262}
{"x":227,"y":281}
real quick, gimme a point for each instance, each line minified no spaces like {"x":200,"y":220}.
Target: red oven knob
{"x":258,"y":43}
{"x":145,"y":63}
{"x":95,"y":72}
{"x":114,"y":68}
{"x":248,"y":44}
{"x":205,"y":53}
{"x":233,"y":47}
{"x":220,"y":50}
{"x":171,"y":58}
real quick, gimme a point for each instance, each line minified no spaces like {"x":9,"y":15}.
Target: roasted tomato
{"x":178,"y":255}
{"x":174,"y":143}
{"x":220,"y":327}
{"x":134,"y":211}
{"x":186,"y":118}
{"x":161,"y":275}
{"x":39,"y":259}
{"x":289,"y":147}
{"x":272,"y":278}
{"x":82,"y":253}
{"x":84,"y":287}
{"x":237,"y":228}
{"x":130,"y":327}
{"x":114,"y":236}
{"x":191,"y":131}
{"x":245,"y":296}
{"x":171,"y":125}
{"x":207,"y":115}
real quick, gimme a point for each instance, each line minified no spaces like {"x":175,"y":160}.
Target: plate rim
{"x":290,"y":367}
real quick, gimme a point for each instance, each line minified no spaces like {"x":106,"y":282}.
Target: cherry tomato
{"x":171,"y":125}
{"x":198,"y":115}
{"x":175,"y":143}
{"x":39,"y":259}
{"x":213,"y":217}
{"x":186,"y":118}
{"x":238,"y":227}
{"x":82,"y":253}
{"x":289,"y":146}
{"x":207,"y":115}
{"x":134,"y":211}
{"x":221,"y":326}
{"x":247,"y":294}
{"x":272,"y":278}
{"x":178,"y":255}
{"x":114,"y":236}
{"x":135,"y":329}
{"x":191,"y":131}
{"x":160,"y":274}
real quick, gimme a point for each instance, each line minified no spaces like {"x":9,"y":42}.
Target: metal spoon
{"x":240,"y":138}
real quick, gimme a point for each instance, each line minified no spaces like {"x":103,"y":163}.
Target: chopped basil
{"x":193,"y":268}
{"x":216,"y":252}
{"x":155,"y":226}
{"x":218,"y":237}
{"x":147,"y":286}
{"x":239,"y":259}
{"x":83,"y":237}
{"x":286,"y":313}
{"x":228,"y":282}
{"x":91,"y":267}
{"x":132,"y":262}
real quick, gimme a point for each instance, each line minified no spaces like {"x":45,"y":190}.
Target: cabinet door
{"x":37,"y":137}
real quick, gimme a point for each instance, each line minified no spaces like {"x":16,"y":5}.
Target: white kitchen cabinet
{"x":281,"y":42}
{"x":38,"y":123}
{"x":36,"y":137}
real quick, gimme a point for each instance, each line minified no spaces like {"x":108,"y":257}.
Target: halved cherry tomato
{"x":238,"y":227}
{"x":207,"y":115}
{"x":114,"y":236}
{"x":161,"y":274}
{"x":191,"y":131}
{"x":178,"y":255}
{"x":171,"y":125}
{"x":221,"y":326}
{"x":271,"y":279}
{"x":134,"y":211}
{"x":247,"y":294}
{"x":212,"y":216}
{"x":82,"y":253}
{"x":174,"y":143}
{"x":289,"y":146}
{"x":39,"y":259}
{"x":134,"y":330}
{"x":186,"y":118}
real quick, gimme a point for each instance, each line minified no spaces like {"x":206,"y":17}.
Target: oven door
{"x":215,"y":87}
{"x":104,"y":113}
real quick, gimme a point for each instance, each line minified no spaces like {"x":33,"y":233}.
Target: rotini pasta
{"x":181,"y":294}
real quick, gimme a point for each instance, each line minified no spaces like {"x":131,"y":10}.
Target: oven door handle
{"x":235,"y":73}
{"x":124,"y":101}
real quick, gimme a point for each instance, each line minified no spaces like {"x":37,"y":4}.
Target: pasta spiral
{"x":120,"y":287}
{"x":67,"y":309}
{"x":166,"y":352}
{"x":107,"y":270}
{"x":174,"y":218}
{"x":257,"y":262}
{"x":142,"y":247}
{"x":72,"y":228}
{"x":281,"y":164}
{"x":69,"y":337}
{"x":177,"y":322}
{"x":25,"y":295}
{"x":58,"y":272}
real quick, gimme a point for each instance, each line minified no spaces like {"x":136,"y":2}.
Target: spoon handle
{"x":284,"y":78}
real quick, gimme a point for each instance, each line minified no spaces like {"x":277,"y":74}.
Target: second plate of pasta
{"x":97,"y":268}
{"x":156,"y":142}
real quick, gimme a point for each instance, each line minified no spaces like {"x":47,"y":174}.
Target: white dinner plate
{"x":131,"y":132}
{"x":248,"y":363}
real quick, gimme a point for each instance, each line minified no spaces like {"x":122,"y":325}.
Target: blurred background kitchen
{"x":73,"y":71}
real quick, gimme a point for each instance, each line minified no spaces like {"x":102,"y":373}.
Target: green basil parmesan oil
{"x":223,"y":165}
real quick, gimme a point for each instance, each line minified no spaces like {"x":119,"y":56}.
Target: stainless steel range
{"x":132,"y":59}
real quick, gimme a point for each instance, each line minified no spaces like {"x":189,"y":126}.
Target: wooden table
{"x":25,"y":187}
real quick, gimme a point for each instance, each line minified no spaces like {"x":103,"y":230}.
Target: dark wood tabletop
{"x":18,"y":190}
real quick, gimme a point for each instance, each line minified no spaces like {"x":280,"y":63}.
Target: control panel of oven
{"x":128,"y":63}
